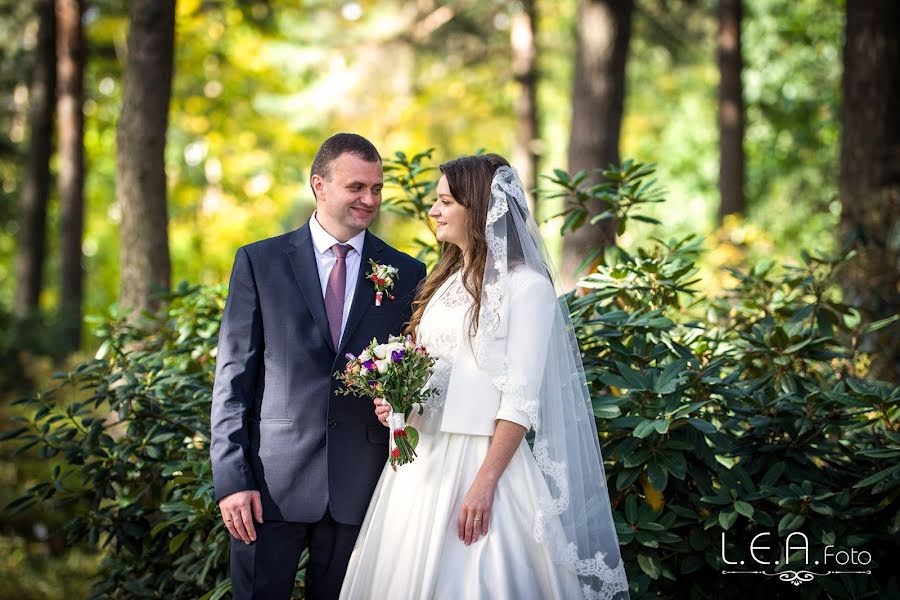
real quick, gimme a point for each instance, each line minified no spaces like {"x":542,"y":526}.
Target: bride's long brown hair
{"x":469,"y":179}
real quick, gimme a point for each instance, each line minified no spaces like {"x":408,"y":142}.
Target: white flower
{"x":365,"y":356}
{"x":382,"y":366}
{"x":381,"y":351}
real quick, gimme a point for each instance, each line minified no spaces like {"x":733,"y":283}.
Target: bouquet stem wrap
{"x":401,"y":450}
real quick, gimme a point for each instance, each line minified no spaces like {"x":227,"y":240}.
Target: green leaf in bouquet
{"x":412,"y":434}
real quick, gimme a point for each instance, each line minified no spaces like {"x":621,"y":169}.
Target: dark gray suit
{"x":277,"y":424}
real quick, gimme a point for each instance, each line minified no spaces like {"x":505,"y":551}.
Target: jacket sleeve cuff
{"x":239,"y":481}
{"x":507,"y":413}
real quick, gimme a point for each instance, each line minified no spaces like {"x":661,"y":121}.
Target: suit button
{"x":332,"y":423}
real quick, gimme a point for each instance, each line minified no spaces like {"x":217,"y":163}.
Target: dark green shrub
{"x":741,"y":414}
{"x":134,"y":449}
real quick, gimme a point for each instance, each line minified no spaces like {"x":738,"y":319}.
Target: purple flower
{"x":372,"y":382}
{"x":349,"y":356}
{"x":397,"y":355}
{"x":369,"y":365}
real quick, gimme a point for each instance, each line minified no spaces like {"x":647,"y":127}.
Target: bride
{"x":480,"y":513}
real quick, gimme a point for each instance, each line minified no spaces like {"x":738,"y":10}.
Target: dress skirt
{"x":409,"y":549}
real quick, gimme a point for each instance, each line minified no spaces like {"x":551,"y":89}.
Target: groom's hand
{"x":382,"y":410}
{"x":238,"y":511}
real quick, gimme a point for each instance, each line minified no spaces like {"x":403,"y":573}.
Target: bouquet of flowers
{"x":397,"y":372}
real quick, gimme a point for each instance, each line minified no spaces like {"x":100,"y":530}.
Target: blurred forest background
{"x":141,"y":143}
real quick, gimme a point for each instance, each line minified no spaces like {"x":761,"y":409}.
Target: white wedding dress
{"x":408,"y":547}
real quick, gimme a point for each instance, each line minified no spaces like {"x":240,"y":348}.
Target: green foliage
{"x":27,"y":573}
{"x":619,"y":190}
{"x":134,"y":451}
{"x":258,"y":85}
{"x":413,"y":182}
{"x":791,"y":88}
{"x":793,"y":102}
{"x":24,"y":340}
{"x":727,"y":415}
{"x":622,"y":189}
{"x":738,"y":414}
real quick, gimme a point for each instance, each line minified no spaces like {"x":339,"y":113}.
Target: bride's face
{"x":451,"y":216}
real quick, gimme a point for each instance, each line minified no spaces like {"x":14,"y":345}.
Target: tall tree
{"x":731,"y":109}
{"x":140,"y":146}
{"x":870,"y":171}
{"x":524,"y":63}
{"x":70,"y":51}
{"x":598,"y":99}
{"x":36,"y":185}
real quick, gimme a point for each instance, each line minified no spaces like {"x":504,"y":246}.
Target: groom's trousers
{"x":266,"y":568}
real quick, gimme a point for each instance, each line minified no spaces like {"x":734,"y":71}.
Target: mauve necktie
{"x":334,"y":291}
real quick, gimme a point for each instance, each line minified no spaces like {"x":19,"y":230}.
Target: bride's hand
{"x":382,"y":410}
{"x":475,"y":515}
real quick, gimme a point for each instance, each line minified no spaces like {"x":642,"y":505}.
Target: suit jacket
{"x":277,"y":424}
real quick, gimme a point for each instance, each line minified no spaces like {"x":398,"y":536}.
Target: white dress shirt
{"x":325,"y":259}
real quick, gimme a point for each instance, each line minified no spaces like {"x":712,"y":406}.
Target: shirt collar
{"x":323,"y":241}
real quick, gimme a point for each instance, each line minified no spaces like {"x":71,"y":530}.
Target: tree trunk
{"x":70,"y":52}
{"x":524,"y":63}
{"x":140,"y":164}
{"x":870,"y":172}
{"x":731,"y":110}
{"x":36,"y":187}
{"x":598,"y":98}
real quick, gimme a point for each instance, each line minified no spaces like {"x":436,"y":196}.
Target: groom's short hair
{"x":341,"y":143}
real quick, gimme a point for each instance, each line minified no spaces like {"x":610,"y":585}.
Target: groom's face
{"x":348,"y":199}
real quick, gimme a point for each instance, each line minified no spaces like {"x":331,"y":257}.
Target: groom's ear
{"x":317,"y":183}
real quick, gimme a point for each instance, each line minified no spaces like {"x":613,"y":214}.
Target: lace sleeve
{"x":532,"y":306}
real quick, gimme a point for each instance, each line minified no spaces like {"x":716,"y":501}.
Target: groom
{"x":294,"y":465}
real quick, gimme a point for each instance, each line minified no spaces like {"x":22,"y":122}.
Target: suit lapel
{"x":364,"y":296}
{"x":306,"y":271}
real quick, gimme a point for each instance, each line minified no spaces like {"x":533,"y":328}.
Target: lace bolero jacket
{"x":472,"y":398}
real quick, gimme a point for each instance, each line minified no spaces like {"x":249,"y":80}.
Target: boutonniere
{"x":382,"y":276}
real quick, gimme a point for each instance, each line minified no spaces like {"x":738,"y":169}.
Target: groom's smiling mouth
{"x":362,"y":212}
